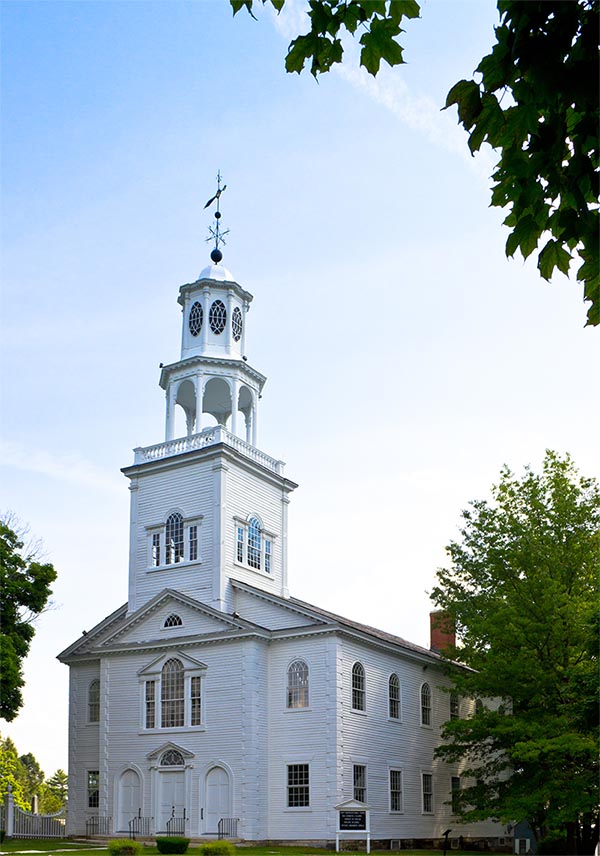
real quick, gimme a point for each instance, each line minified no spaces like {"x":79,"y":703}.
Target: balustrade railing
{"x":140,"y":826}
{"x":227,"y":827}
{"x":176,"y":824}
{"x":208,"y":437}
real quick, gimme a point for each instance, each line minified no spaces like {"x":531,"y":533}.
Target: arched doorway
{"x":218,"y":798}
{"x":129,"y":797}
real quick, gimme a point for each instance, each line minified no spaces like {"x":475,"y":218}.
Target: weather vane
{"x":216,"y":234}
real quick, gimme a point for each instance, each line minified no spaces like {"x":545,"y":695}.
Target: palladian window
{"x":253,"y":545}
{"x":172,"y":693}
{"x":174,"y":538}
{"x":172,"y":696}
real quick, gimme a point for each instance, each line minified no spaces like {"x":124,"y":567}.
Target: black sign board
{"x":353,"y":820}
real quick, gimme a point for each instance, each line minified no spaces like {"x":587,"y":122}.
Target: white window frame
{"x":398,"y":700}
{"x":424,"y":793}
{"x":400,"y":771}
{"x":157,"y":532}
{"x":191,"y":669}
{"x":89,"y":790}
{"x":363,"y":787}
{"x":296,"y":808}
{"x":296,"y":689}
{"x":454,"y":791}
{"x":95,"y":683}
{"x":454,"y":705}
{"x":267,"y":545}
{"x":362,"y":690}
{"x":423,"y":707}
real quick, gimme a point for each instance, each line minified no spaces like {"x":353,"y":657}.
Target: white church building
{"x":213,"y":700}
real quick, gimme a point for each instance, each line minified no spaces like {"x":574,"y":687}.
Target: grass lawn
{"x":17,"y":845}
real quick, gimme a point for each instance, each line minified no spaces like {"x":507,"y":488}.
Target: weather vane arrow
{"x":215,"y":232}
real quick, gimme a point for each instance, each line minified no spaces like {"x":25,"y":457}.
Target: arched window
{"x":172,"y":694}
{"x":174,"y":538}
{"x":172,"y":758}
{"x":394,"y":697}
{"x":173,"y":621}
{"x":425,"y":705}
{"x":94,"y":701}
{"x":358,"y":687}
{"x":254,"y":543}
{"x":297,"y":684}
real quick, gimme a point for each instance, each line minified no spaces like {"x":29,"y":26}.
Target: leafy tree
{"x":54,"y":793}
{"x":31,"y":776}
{"x":534,"y":100}
{"x":522,"y":590}
{"x":10,"y":774}
{"x":24,"y":591}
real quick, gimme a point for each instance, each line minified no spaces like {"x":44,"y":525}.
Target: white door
{"x":129,"y":798}
{"x":172,"y":797}
{"x":218,"y":802}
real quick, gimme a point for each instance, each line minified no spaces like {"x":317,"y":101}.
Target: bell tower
{"x":208,"y":506}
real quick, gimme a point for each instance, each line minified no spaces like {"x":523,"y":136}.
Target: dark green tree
{"x":522,"y":590}
{"x":54,"y":793}
{"x":31,"y":776}
{"x":533,"y":98}
{"x":24,"y":592}
{"x":11,"y":774}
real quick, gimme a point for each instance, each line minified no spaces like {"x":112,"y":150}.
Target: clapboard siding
{"x":84,"y":742}
{"x":267,"y":614}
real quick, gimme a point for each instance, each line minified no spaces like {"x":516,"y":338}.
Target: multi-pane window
{"x":455,"y":793}
{"x":395,"y":790}
{"x":359,"y":782}
{"x":173,"y":620}
{"x":252,"y":547}
{"x":156,"y":549}
{"x":394,"y":697}
{"x":172,"y":694}
{"x":196,"y":700}
{"x":454,"y":705}
{"x":94,"y":701}
{"x":298,"y":785}
{"x":93,"y":788}
{"x":254,"y":543}
{"x":427,"y":792}
{"x":297,"y":684}
{"x":193,"y":539}
{"x":425,"y":704}
{"x":174,"y":538}
{"x":358,"y":687}
{"x":150,"y":704}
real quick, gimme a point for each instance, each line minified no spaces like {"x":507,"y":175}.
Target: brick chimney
{"x":443,"y":631}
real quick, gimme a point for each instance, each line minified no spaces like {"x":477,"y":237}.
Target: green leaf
{"x":524,"y":236}
{"x":404,"y":9}
{"x":553,"y":255}
{"x":236,"y":5}
{"x":465,"y":94}
{"x":378,"y":43}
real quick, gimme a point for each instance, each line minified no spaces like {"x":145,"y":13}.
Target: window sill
{"x":394,"y":811}
{"x":185,"y":564}
{"x":427,"y":728}
{"x":297,"y":710}
{"x":396,"y":719}
{"x":93,"y":724}
{"x":177,"y":730}
{"x":358,"y":712}
{"x":259,"y":571}
{"x":301,"y":809}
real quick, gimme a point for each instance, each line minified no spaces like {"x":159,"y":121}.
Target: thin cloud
{"x":71,"y":468}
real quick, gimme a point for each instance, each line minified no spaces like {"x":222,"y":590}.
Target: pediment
{"x":271,"y":611}
{"x":155,"y":666}
{"x":169,"y":616}
{"x":165,"y":747}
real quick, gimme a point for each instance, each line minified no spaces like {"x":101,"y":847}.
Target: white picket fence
{"x":25,"y":824}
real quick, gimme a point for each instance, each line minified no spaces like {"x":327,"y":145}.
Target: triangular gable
{"x":165,"y":747}
{"x":90,"y":638}
{"x":155,"y":666}
{"x":271,"y":611}
{"x":148,"y":622}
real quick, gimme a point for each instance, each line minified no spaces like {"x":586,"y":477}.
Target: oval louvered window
{"x":217,"y":317}
{"x":236,"y":324}
{"x":196,"y":318}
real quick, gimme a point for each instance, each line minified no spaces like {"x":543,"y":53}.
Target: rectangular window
{"x":240,"y":544}
{"x":156,"y":550}
{"x":359,"y":776}
{"x":395,"y":790}
{"x":196,"y":699}
{"x":93,"y":788}
{"x":268,"y":557}
{"x":297,"y":786}
{"x":427,"y":784}
{"x":150,"y":704}
{"x":454,"y":705}
{"x":193,"y":530}
{"x":455,"y":790}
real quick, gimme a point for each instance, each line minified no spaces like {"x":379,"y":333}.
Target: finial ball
{"x":216,"y":256}
{"x":217,"y":215}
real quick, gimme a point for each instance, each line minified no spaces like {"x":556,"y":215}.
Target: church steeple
{"x":213,"y":376}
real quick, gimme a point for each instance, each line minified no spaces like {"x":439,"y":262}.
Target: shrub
{"x":217,"y":848}
{"x":553,"y":845}
{"x":172,"y":844}
{"x":124,"y":847}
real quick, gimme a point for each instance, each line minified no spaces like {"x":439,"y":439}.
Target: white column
{"x":243,"y":339}
{"x":199,"y":396}
{"x":171,"y":396}
{"x":255,"y":420}
{"x":235,"y":391}
{"x":205,"y":310}
{"x":228,"y":328}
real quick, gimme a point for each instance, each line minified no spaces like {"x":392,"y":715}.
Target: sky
{"x":407,"y":359}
